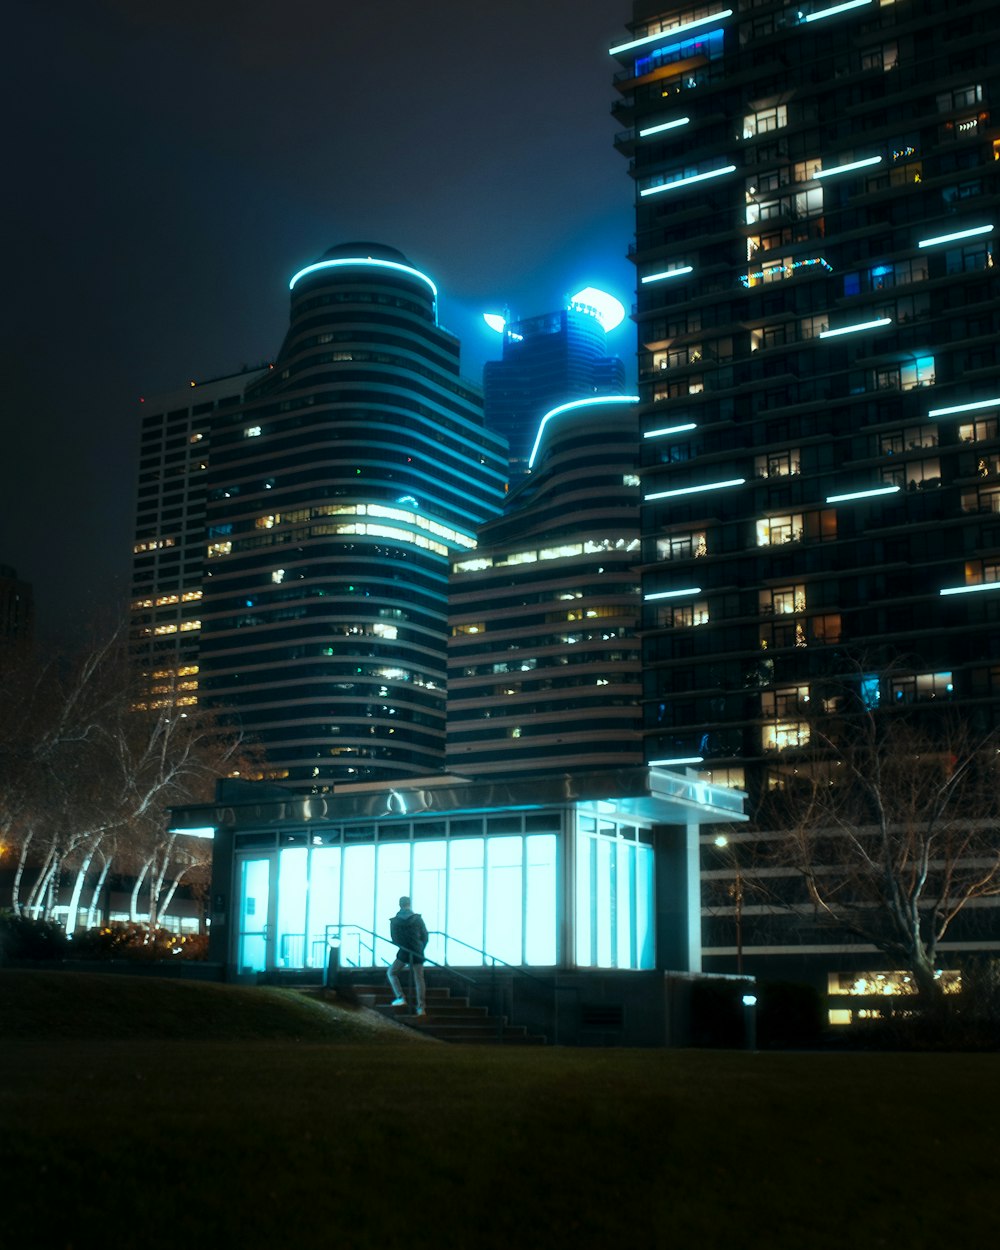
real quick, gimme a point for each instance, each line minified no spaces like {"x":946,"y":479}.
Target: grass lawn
{"x":154,"y":1114}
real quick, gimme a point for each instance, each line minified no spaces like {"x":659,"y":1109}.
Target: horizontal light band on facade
{"x":680,"y":759}
{"x":200,"y":831}
{"x":976,"y":406}
{"x":969,"y":590}
{"x":695,"y":490}
{"x":655,"y":130}
{"x":666,"y":273}
{"x":953,"y":238}
{"x":862,"y":494}
{"x":686,"y":182}
{"x":671,"y":429}
{"x":672,"y":594}
{"x":365,"y":262}
{"x":845,"y":169}
{"x":856,"y":329}
{"x":671,"y":33}
{"x":837,"y":8}
{"x":576,"y":403}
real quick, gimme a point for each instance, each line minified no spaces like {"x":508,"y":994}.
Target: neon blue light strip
{"x":862,"y":494}
{"x":671,"y":429}
{"x":681,"y":759}
{"x":672,"y":594}
{"x":969,"y":590}
{"x":576,"y":403}
{"x":975,"y":407}
{"x":671,"y":33}
{"x":843,"y":169}
{"x":837,"y":8}
{"x":655,"y":130}
{"x":959,"y":234}
{"x":686,"y":182}
{"x":862,"y":325}
{"x":666,"y":273}
{"x":367,"y":262}
{"x":694,"y":490}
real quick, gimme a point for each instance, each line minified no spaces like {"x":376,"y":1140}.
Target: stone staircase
{"x":449,"y":1018}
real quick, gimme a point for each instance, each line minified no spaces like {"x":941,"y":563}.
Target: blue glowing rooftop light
{"x":607,"y":310}
{"x":862,"y":494}
{"x":969,"y":590}
{"x":495,"y":322}
{"x":367,"y":262}
{"x":856,"y":329}
{"x":958,"y":234}
{"x":845,"y":169}
{"x":975,"y":406}
{"x":573,"y":404}
{"x":672,"y":33}
{"x":695,"y":490}
{"x":666,"y":273}
{"x":837,"y":8}
{"x":658,"y":129}
{"x":672,"y":594}
{"x":686,"y":182}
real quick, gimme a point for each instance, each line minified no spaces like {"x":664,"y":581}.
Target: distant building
{"x":338,"y":493}
{"x":547,"y":360}
{"x":544,"y":665}
{"x":168,"y":562}
{"x":17,"y":607}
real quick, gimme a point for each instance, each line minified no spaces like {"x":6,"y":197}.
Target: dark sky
{"x":171,"y":165}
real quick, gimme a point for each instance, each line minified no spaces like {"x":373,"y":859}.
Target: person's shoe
{"x":421,"y":1012}
{"x":398,"y":1002}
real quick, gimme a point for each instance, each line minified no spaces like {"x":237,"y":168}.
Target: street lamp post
{"x":737,"y":895}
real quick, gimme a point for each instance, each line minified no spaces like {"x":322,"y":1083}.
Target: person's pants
{"x":418,"y":975}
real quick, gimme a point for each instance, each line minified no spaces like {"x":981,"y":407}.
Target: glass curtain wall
{"x":493,"y":896}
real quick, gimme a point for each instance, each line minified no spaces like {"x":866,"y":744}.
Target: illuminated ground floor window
{"x":485,"y":895}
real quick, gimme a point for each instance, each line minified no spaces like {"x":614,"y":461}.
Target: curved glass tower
{"x":338,"y":494}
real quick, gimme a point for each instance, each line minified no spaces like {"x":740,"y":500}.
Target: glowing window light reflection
{"x":845,"y":169}
{"x":837,"y":8}
{"x":953,"y":238}
{"x":972,"y":407}
{"x":659,"y":129}
{"x":856,"y":329}
{"x":671,"y":33}
{"x":695,"y":490}
{"x":671,"y":429}
{"x":666,"y":273}
{"x":969,"y":590}
{"x":574,"y":404}
{"x":672,"y":594}
{"x":862,"y":494}
{"x":686,"y":182}
{"x":366,"y":262}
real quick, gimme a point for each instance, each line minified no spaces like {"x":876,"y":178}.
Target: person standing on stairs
{"x":408,"y":931}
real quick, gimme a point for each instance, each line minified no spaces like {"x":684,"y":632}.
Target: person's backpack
{"x":407,"y":932}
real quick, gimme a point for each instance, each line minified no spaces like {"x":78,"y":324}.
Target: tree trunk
{"x":73,"y":915}
{"x":134,"y":905}
{"x":15,"y":892}
{"x":92,"y":919}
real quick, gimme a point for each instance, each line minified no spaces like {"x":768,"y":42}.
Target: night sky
{"x":174,"y":163}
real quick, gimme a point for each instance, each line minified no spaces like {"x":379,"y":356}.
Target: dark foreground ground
{"x":137,"y":1113}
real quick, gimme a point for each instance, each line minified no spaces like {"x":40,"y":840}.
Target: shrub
{"x":21,"y":937}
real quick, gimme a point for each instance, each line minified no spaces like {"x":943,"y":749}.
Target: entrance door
{"x":256,"y":928}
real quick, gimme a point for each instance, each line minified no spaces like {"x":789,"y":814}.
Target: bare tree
{"x":894,"y":832}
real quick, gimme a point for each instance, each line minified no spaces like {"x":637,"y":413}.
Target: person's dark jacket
{"x":408,"y":931}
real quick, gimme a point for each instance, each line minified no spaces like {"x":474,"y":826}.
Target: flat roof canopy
{"x":655,"y":795}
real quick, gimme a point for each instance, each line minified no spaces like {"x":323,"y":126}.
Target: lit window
{"x":252,"y":431}
{"x":772,"y":531}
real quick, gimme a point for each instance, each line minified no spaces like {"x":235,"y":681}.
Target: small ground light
{"x":750,"y":1002}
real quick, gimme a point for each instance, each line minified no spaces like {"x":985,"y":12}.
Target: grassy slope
{"x":268,"y":1141}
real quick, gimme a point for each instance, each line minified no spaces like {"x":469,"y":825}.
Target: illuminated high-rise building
{"x":338,"y":493}
{"x":817,"y":189}
{"x":168,"y":559}
{"x":549,"y":360}
{"x":544,"y":670}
